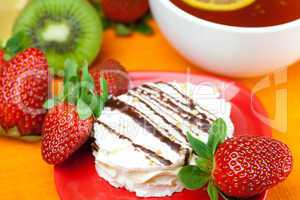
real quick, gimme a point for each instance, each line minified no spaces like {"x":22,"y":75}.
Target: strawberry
{"x":24,"y":89}
{"x":246,"y":166}
{"x":68,"y":123}
{"x":115,"y":74}
{"x":125,"y":11}
{"x":63,"y":133}
{"x":238,"y":167}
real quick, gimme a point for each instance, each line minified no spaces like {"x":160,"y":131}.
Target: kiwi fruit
{"x":63,"y":29}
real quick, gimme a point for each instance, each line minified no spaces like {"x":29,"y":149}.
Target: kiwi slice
{"x":63,"y":29}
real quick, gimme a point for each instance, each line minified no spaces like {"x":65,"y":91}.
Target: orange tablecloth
{"x":23,"y":174}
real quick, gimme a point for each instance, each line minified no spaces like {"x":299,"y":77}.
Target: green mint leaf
{"x":204,"y":164}
{"x":104,"y":89}
{"x":83,"y":110}
{"x":213,"y":191}
{"x":16,"y":44}
{"x":50,"y":103}
{"x":192,"y":177}
{"x":122,"y":29}
{"x":217,"y":134}
{"x":144,"y":28}
{"x":200,"y":147}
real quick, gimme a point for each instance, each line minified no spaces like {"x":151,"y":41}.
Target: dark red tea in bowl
{"x":259,"y":14}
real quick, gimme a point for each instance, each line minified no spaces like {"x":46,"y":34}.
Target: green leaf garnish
{"x":199,"y":147}
{"x":217,"y":134}
{"x":213,"y":191}
{"x":83,"y":110}
{"x":192,"y":177}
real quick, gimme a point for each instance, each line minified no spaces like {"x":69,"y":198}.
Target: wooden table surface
{"x":23,"y":174}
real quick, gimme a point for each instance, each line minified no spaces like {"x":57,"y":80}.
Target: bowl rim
{"x":266,"y":29}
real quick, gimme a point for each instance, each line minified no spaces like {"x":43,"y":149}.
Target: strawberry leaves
{"x":217,"y":134}
{"x":193,"y":177}
{"x":197,"y":176}
{"x":79,"y":89}
{"x":199,"y":147}
{"x":125,"y":29}
{"x":83,"y":110}
{"x":142,"y":26}
{"x":15,"y":44}
{"x":213,"y":191}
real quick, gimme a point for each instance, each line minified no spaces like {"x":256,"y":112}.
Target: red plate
{"x":77,"y":179}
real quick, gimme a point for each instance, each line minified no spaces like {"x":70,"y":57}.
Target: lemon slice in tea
{"x":219,"y":5}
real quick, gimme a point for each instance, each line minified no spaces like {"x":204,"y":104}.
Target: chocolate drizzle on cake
{"x":199,"y":119}
{"x":149,"y":152}
{"x":94,"y":146}
{"x":143,"y":121}
{"x":166,"y":113}
{"x":148,"y":105}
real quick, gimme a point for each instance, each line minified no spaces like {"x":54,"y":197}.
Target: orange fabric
{"x":23,"y":174}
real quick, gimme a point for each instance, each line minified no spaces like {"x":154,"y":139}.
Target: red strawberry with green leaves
{"x":239,"y":167}
{"x":68,"y":123}
{"x":124,"y":11}
{"x":24,"y":90}
{"x":64,"y":133}
{"x":115,"y":74}
{"x":126,"y":16}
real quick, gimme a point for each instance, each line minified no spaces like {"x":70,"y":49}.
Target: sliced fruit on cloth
{"x":68,"y":124}
{"x":238,"y":167}
{"x":62,"y":29}
{"x":219,"y":5}
{"x":24,"y":85}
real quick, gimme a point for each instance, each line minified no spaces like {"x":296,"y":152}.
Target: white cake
{"x":140,"y":138}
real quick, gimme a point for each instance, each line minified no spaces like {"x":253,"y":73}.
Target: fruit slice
{"x":62,"y":29}
{"x":219,"y":5}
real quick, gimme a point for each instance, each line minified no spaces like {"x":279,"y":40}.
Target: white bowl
{"x":228,"y":50}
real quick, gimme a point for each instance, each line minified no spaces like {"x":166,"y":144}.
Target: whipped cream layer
{"x":141,"y":137}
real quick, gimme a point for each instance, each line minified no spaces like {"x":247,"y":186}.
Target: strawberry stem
{"x":79,"y":89}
